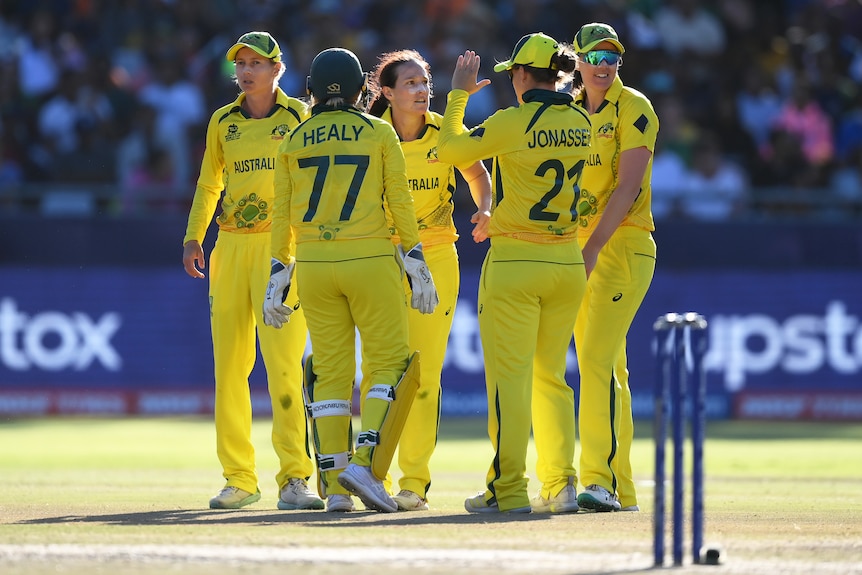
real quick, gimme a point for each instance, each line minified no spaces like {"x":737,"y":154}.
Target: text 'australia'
{"x":417,"y":184}
{"x":568,"y":137}
{"x":253,"y":164}
{"x":340,"y":132}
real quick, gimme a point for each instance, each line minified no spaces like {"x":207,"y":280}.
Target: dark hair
{"x":577,"y":82}
{"x":386,"y":74}
{"x":562,"y":66}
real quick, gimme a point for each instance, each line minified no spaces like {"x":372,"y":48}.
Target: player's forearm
{"x":200,"y":214}
{"x":632,"y":167}
{"x":479,"y":182}
{"x":450,"y":148}
{"x":615,"y":212}
{"x":282,"y":232}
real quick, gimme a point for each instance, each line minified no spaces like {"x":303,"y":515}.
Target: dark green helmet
{"x":335,"y":73}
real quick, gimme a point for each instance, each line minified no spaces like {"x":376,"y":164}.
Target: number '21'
{"x":539,"y":210}
{"x":322,"y":165}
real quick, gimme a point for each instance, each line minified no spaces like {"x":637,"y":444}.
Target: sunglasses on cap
{"x":596,"y":57}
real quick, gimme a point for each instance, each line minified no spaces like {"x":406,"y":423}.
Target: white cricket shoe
{"x":478,"y":504}
{"x":410,"y":501}
{"x":297,"y":495}
{"x":359,"y":480}
{"x":627,"y":507}
{"x":598,"y":498}
{"x":339,"y":503}
{"x":566,"y":501}
{"x":233,"y":498}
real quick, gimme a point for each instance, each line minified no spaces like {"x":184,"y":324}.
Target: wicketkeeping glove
{"x":419,"y":277}
{"x":275,"y":313}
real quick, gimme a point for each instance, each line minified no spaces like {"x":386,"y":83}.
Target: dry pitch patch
{"x":200,"y":559}
{"x":264,"y":542}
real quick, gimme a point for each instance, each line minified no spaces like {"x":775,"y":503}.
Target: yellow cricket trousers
{"x":529,"y":296}
{"x":239,"y":273}
{"x":615,"y":291}
{"x":339,"y":298}
{"x":429,"y":334}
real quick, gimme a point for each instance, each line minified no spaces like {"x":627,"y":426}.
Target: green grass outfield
{"x":91,"y":495}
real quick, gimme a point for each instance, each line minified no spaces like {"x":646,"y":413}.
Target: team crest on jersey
{"x":247,"y":212}
{"x":431,"y":156}
{"x":327,"y":233}
{"x":232,"y":133}
{"x":605,"y":131}
{"x":279,"y":132}
{"x":587,"y":207}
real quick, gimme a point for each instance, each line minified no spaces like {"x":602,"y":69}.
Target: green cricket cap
{"x":261,"y":42}
{"x":535,"y":50}
{"x":593,"y":34}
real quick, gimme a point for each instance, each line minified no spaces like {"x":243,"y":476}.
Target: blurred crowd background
{"x":104,"y":103}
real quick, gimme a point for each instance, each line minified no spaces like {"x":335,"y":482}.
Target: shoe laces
{"x":601,"y":490}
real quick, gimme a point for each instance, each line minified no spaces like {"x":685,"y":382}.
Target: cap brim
{"x":504,"y":66}
{"x":231,"y":54}
{"x":592,"y":45}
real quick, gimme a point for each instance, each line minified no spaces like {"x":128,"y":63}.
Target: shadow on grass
{"x":360,"y":518}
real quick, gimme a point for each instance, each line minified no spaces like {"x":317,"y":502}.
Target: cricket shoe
{"x":627,"y":507}
{"x":566,"y":501}
{"x":478,"y":504}
{"x":339,"y":503}
{"x":296,"y":495}
{"x":598,"y":498}
{"x":359,"y":480}
{"x":410,"y":501}
{"x":233,"y":498}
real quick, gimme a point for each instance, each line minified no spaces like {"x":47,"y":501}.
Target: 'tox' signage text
{"x":54,"y":341}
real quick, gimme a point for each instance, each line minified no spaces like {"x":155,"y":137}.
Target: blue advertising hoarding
{"x":782,"y":344}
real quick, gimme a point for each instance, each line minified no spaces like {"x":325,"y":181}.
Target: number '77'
{"x":322,"y":164}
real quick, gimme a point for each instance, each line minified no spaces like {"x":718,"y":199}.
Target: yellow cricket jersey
{"x":539,"y":150}
{"x":624,"y":121}
{"x":431,"y":182}
{"x":240,"y":159}
{"x":332,"y":176}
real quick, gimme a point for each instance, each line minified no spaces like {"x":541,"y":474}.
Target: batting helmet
{"x":335,"y":73}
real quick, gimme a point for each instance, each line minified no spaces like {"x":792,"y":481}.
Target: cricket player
{"x":614,"y":230}
{"x":533,"y":277}
{"x":241,"y":142}
{"x":332,"y":177}
{"x":402,"y":84}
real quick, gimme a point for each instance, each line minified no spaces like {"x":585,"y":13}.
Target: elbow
{"x":444,"y":153}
